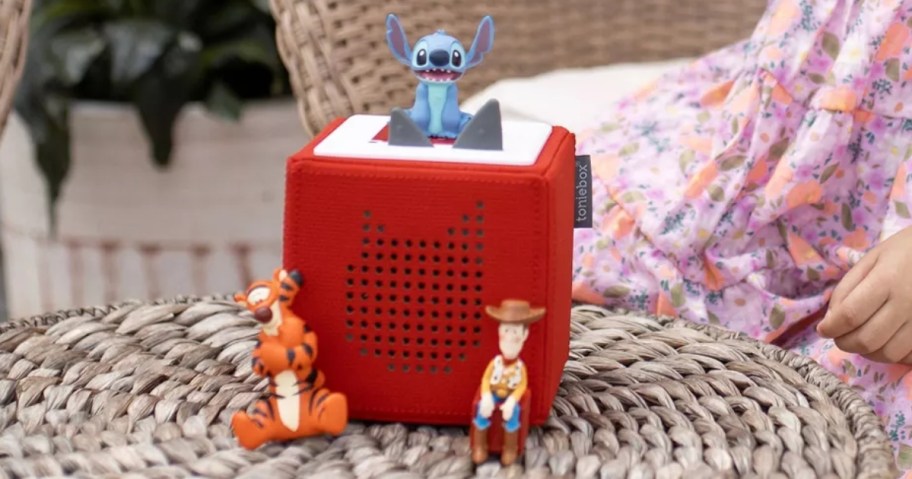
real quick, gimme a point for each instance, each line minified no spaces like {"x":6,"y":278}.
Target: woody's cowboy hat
{"x":515,"y":311}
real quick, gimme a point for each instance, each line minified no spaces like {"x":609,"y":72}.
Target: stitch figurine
{"x":439,"y":60}
{"x":298,"y":405}
{"x":505,"y":380}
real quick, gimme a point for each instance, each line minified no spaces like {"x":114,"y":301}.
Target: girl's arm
{"x":868,"y":311}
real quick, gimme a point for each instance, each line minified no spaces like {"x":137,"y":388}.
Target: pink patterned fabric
{"x":739,"y":190}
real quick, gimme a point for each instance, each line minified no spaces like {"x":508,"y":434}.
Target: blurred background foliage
{"x":156,"y":55}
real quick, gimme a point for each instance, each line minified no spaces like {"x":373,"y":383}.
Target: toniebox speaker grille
{"x":416,"y":303}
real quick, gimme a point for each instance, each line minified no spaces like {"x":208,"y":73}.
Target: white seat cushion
{"x":572,"y":98}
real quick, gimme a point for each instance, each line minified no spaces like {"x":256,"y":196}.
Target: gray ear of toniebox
{"x":404,"y":132}
{"x":484,"y":131}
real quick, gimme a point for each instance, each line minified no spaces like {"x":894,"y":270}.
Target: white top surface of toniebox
{"x":354,"y":138}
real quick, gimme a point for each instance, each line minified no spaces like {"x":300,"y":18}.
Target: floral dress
{"x":740,"y":189}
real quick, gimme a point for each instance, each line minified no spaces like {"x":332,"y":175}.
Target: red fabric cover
{"x":505,"y":230}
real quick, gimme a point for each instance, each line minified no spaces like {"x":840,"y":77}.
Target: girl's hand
{"x":870,"y":312}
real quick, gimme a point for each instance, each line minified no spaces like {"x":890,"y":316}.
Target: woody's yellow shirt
{"x":505,"y":378}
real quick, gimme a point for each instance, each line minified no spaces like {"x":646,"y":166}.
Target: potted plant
{"x":146,"y":154}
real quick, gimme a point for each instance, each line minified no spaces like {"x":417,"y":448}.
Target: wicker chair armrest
{"x":14,"y":32}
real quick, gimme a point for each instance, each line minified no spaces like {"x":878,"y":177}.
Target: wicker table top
{"x":147,"y":390}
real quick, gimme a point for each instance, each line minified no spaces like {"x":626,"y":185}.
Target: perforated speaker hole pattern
{"x":418,"y":301}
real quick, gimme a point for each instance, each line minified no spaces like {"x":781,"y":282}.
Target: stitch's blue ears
{"x":397,"y":41}
{"x":483,"y":43}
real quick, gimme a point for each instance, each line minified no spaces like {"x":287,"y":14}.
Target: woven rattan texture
{"x":148,"y":390}
{"x":14,"y":17}
{"x":339,"y":63}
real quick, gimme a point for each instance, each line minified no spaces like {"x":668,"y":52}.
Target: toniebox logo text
{"x":582,"y":206}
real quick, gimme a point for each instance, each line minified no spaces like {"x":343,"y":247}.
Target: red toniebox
{"x":402,"y":247}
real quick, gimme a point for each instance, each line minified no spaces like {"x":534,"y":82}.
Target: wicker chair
{"x":14,"y":16}
{"x":339,"y":62}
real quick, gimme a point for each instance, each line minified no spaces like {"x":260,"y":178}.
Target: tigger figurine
{"x":298,"y":405}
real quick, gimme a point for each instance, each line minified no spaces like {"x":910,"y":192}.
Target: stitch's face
{"x":438,"y":58}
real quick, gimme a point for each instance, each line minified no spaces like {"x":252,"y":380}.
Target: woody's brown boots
{"x":479,"y":445}
{"x":510,"y":448}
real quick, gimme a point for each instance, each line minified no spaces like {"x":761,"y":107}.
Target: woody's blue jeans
{"x":483,"y":423}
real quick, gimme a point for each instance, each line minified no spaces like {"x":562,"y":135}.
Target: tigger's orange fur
{"x":298,"y":405}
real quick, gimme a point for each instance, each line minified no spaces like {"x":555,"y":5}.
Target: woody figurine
{"x":505,"y":380}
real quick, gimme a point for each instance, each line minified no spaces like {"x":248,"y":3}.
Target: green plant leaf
{"x":256,"y":47}
{"x":233,"y":16}
{"x":139,"y":8}
{"x":139,"y":56}
{"x":158,"y":117}
{"x":44,"y":106}
{"x":72,"y":53}
{"x":136,"y":44}
{"x":223,"y":102}
{"x":47,"y":114}
{"x":191,"y":45}
{"x":58,"y":12}
{"x":115,"y":5}
{"x":263,"y":5}
{"x":183,"y":14}
{"x":180,"y":70}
